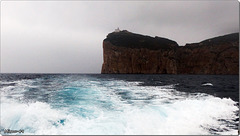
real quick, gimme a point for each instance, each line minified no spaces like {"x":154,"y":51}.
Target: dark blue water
{"x":119,"y":104}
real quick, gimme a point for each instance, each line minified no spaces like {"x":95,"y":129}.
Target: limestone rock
{"x":128,"y":53}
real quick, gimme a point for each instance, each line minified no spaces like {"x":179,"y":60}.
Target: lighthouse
{"x":117,"y":30}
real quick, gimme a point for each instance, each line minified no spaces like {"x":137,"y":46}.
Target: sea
{"x":119,"y":104}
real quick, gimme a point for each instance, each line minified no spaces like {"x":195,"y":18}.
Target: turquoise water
{"x":86,"y":104}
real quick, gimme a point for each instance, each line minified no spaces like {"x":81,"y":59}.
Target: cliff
{"x":128,"y":53}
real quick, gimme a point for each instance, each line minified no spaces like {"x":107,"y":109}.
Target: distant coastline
{"x":129,"y":53}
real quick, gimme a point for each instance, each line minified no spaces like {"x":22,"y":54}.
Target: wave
{"x":207,"y":84}
{"x":119,"y":107}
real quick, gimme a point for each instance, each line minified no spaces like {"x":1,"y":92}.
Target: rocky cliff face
{"x":129,"y":53}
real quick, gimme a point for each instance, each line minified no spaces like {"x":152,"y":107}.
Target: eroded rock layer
{"x":128,"y":53}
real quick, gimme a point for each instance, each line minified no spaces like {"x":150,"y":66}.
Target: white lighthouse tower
{"x":117,"y":30}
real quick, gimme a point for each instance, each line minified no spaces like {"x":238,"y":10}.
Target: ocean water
{"x":81,"y":104}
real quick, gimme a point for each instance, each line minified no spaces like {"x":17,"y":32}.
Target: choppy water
{"x":119,"y":104}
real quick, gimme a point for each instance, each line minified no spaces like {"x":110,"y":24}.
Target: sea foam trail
{"x":91,"y":106}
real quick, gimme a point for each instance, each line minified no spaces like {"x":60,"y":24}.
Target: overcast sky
{"x":66,"y":37}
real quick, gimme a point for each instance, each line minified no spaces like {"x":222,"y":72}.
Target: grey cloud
{"x":66,"y":37}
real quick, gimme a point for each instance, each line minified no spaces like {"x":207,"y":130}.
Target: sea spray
{"x":76,"y":104}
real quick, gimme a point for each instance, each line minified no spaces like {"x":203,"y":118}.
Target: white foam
{"x":207,"y":84}
{"x":170,"y":112}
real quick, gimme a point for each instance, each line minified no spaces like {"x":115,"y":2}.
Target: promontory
{"x":129,"y":53}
